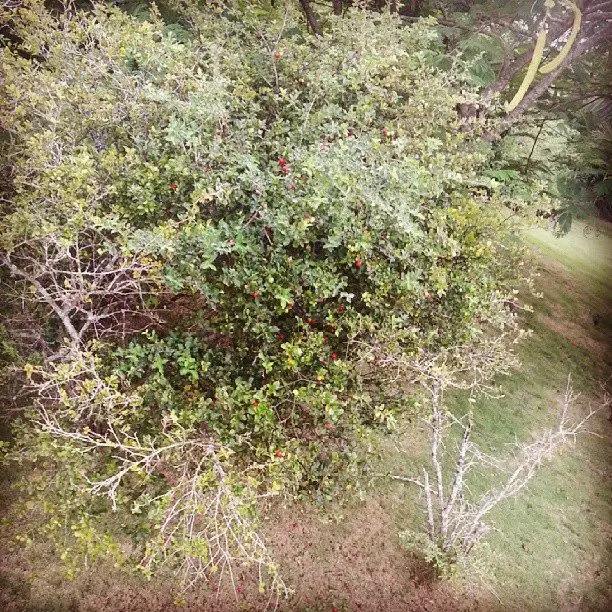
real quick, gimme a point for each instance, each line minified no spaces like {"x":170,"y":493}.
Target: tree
{"x":571,"y":32}
{"x":213,"y":230}
{"x":311,"y":18}
{"x":455,"y":517}
{"x":565,"y":93}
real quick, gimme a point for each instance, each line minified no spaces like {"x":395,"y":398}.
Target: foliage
{"x":560,"y":158}
{"x":223,"y":226}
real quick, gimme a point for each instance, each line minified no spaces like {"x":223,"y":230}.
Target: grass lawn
{"x":553,"y":545}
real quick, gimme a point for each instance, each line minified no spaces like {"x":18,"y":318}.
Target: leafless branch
{"x":92,"y":289}
{"x":205,"y":529}
{"x":460,"y":523}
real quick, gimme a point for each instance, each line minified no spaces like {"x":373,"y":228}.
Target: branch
{"x":46,"y":296}
{"x":205,"y":527}
{"x":544,"y":84}
{"x":461,"y":524}
{"x":510,"y":69}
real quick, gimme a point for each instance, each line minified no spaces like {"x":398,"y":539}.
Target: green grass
{"x":564,"y":518}
{"x":551,"y":545}
{"x":585,"y":253}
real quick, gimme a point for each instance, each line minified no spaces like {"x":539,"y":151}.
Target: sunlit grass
{"x":585,"y":254}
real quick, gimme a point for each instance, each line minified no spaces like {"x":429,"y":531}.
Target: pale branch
{"x":89,"y":286}
{"x":415,"y":481}
{"x":435,"y":443}
{"x":46,"y":296}
{"x":460,"y":524}
{"x":461,"y":468}
{"x":431,"y":524}
{"x":205,"y":528}
{"x":464,"y":367}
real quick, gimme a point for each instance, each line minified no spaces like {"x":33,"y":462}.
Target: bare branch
{"x":205,"y":527}
{"x":461,"y":522}
{"x":87,"y":284}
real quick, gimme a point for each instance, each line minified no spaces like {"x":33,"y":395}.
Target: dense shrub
{"x":272,"y":206}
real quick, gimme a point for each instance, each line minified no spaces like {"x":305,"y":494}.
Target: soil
{"x":359,"y":565}
{"x":355,"y":564}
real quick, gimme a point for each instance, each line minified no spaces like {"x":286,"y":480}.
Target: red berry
{"x":278,"y":454}
{"x":429,"y":297}
{"x":325,"y":340}
{"x":281,"y":336}
{"x":329,"y":426}
{"x":385,"y":132}
{"x":173,"y":186}
{"x":255,"y":294}
{"x":284,"y":169}
{"x":277,"y":54}
{"x":334,"y":356}
{"x":255,"y":403}
{"x":341,"y":308}
{"x":310,"y":321}
{"x":358,"y":263}
{"x":282,"y":161}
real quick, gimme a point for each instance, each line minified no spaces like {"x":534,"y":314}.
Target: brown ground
{"x":358,"y":566}
{"x":574,"y":333}
{"x":355,"y":564}
{"x":576,"y":324}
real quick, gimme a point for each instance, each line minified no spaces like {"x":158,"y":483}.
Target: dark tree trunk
{"x":311,"y":18}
